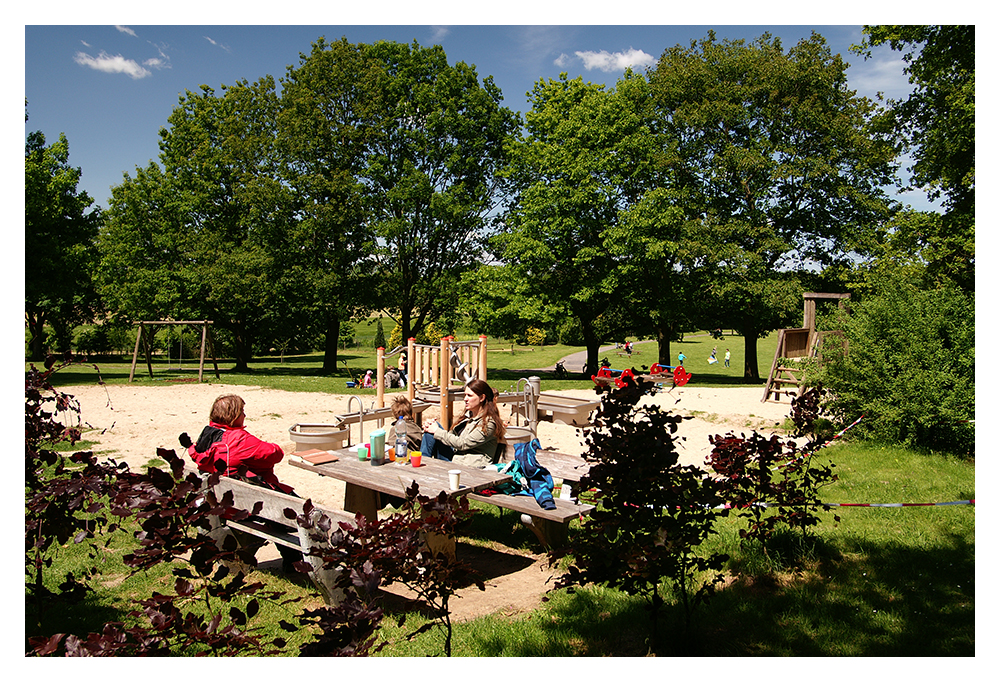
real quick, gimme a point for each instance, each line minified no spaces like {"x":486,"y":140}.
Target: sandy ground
{"x":129,"y":422}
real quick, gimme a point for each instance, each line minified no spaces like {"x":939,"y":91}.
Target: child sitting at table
{"x":402,"y":407}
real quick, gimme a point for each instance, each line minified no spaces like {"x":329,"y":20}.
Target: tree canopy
{"x":778,"y":156}
{"x":58,"y":244}
{"x":937,"y":125}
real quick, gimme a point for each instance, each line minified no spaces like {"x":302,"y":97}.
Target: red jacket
{"x":239,"y":448}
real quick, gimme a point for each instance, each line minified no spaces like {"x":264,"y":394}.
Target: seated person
{"x":473,"y":441}
{"x":401,"y":407}
{"x":402,"y":369}
{"x":225,"y":439}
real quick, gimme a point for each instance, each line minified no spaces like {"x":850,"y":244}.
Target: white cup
{"x":453,"y":476}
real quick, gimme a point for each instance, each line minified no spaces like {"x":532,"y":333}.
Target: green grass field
{"x":880,"y":582}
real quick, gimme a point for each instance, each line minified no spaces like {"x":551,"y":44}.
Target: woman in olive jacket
{"x":473,"y":441}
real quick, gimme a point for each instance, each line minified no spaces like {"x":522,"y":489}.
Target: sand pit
{"x":130,"y":422}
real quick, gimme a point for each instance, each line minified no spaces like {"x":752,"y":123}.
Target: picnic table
{"x":365,"y":482}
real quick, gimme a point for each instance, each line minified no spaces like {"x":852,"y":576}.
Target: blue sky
{"x":110,"y":87}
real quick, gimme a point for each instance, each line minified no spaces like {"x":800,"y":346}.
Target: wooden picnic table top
{"x":393,"y":478}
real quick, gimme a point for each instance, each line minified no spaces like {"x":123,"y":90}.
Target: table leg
{"x":360,"y":500}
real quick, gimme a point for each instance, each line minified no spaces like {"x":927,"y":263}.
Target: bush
{"x":654,"y":512}
{"x":535,"y":336}
{"x":909,"y":367}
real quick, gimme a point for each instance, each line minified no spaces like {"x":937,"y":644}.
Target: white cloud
{"x":156,"y":63}
{"x":615,"y":61}
{"x":562,"y":61}
{"x":224,"y":47}
{"x":111,"y":64}
{"x":126,"y":29}
{"x":881,"y":74}
{"x":439,"y":32}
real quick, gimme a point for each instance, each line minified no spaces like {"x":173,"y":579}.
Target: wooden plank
{"x":565,"y":511}
{"x":562,"y":465}
{"x":393,"y":478}
{"x":274,"y":502}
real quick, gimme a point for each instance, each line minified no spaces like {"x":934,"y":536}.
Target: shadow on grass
{"x":878,"y":599}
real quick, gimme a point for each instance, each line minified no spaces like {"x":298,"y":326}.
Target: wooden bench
{"x":551,"y":527}
{"x":566,"y":467}
{"x":271,"y":524}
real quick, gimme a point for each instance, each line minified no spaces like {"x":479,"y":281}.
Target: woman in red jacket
{"x":225,"y":439}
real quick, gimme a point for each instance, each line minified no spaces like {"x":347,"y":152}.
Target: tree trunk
{"x":593,"y":350}
{"x":751,"y":373}
{"x":36,"y":346}
{"x":331,"y":344}
{"x":241,"y":351}
{"x":663,"y":345}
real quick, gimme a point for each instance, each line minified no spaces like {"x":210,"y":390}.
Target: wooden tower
{"x":785,"y":378}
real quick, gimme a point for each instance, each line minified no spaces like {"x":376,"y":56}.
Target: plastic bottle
{"x":400,"y":440}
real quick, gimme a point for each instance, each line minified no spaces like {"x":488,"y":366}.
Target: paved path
{"x":575,"y":361}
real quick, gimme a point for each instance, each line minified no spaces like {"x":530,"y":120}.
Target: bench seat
{"x":550,"y":526}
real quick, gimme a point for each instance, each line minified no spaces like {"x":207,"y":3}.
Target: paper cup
{"x":454,"y":477}
{"x":415,"y":459}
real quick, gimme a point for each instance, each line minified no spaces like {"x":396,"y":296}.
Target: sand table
{"x":130,"y":422}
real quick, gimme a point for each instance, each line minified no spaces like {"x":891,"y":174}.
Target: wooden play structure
{"x":785,"y":378}
{"x":141,"y":336}
{"x":438,"y":374}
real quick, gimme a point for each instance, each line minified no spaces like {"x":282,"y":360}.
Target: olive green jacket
{"x":473,"y":446}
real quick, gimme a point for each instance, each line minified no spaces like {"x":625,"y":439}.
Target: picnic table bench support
{"x":271,"y":525}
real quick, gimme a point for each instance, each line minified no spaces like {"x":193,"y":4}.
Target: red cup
{"x":415,"y":460}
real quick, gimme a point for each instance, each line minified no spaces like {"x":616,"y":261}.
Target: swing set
{"x":144,"y":338}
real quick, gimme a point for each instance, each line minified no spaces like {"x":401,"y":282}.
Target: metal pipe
{"x":361,"y":420}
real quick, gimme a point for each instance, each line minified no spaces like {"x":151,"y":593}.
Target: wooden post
{"x":380,"y":377}
{"x":433,"y":375}
{"x":411,"y":361}
{"x":211,"y":349}
{"x":201,"y":362}
{"x":147,"y":344}
{"x":444,"y":378}
{"x":135,"y":353}
{"x":482,"y":357}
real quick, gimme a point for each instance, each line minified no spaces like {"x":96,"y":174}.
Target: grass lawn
{"x":880,"y":582}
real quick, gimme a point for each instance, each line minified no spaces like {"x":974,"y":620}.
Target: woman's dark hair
{"x":486,"y":392}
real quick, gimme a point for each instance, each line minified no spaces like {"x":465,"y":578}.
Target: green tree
{"x":324,"y":127}
{"x":206,"y":237}
{"x":777,"y":158}
{"x":59,"y":234}
{"x":937,"y":125}
{"x":438,"y":137}
{"x":910,"y":362}
{"x":567,"y":192}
